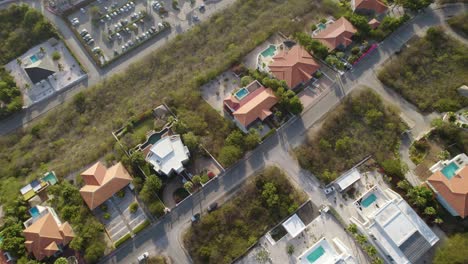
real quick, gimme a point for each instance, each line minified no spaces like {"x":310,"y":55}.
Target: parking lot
{"x":110,"y":28}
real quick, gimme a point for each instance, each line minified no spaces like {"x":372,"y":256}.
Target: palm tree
{"x":42,"y":49}
{"x":18,"y":60}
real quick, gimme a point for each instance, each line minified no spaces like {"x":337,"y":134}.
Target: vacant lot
{"x":460,"y":23}
{"x":79,"y":132}
{"x":429,"y":72}
{"x":361,"y":126}
{"x":226,"y":233}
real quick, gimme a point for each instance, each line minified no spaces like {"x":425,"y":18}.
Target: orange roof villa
{"x":294,"y":66}
{"x":102,"y":183}
{"x":249,"y":104}
{"x":375,"y":6}
{"x":450,"y":183}
{"x":337,"y":35}
{"x":45,"y":234}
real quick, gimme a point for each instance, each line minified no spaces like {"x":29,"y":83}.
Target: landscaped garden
{"x":429,"y":71}
{"x":226,"y":233}
{"x":360,"y":126}
{"x":10,"y":94}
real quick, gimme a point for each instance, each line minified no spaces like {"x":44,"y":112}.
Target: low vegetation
{"x":460,"y":23}
{"x":361,"y":126}
{"x":10,"y":94}
{"x":21,"y":28}
{"x":429,"y":72}
{"x":225,"y":234}
{"x":365,"y":244}
{"x":78,"y":132}
{"x":453,"y":250}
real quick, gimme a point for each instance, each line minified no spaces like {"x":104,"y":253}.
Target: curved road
{"x":165,"y":236}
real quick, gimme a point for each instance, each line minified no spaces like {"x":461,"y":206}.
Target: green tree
{"x":191,"y":140}
{"x":352,"y":228}
{"x":229,"y":155}
{"x":188,"y":186}
{"x":404,"y":185}
{"x":13,"y":240}
{"x":394,"y":168}
{"x":270,"y":194}
{"x":236,"y":138}
{"x":414,"y":5}
{"x":430,"y":211}
{"x":453,"y":250}
{"x":133,"y":207}
{"x":252,"y":139}
{"x":360,"y":22}
{"x":290,"y":249}
{"x":196,"y":179}
{"x":137,"y":159}
{"x":246,"y":80}
{"x":263,"y":256}
{"x":420,"y":196}
{"x":61,"y":260}
{"x":56,"y":55}
{"x":79,"y":100}
{"x":31,"y":18}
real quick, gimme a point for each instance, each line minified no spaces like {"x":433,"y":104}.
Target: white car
{"x":143,"y":256}
{"x":83,"y":10}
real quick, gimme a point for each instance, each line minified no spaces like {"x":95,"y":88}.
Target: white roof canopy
{"x":347,"y":179}
{"x":294,"y":225}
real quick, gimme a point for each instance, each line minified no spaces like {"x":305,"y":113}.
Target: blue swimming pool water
{"x":450,"y":170}
{"x":241,"y":93}
{"x":321,"y":26}
{"x":269,"y":52}
{"x":316,"y":254}
{"x":369,"y":200}
{"x":33,"y":58}
{"x":50,"y":178}
{"x":34,"y":212}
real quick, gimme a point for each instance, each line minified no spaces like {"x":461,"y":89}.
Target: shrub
{"x":141,"y":226}
{"x":204,"y":178}
{"x":355,"y":50}
{"x":103,"y":207}
{"x":313,"y":27}
{"x":106,"y":216}
{"x":188,"y":186}
{"x":56,"y":55}
{"x":133,"y":207}
{"x":120,"y":194}
{"x":122,"y":240}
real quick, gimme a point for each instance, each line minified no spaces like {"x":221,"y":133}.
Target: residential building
{"x":45,"y":234}
{"x":36,"y":187}
{"x":295,"y":66}
{"x":168,"y":155}
{"x":324,"y":252}
{"x":337,"y":34}
{"x":399,"y":234}
{"x":449,"y":181}
{"x":249,"y":104}
{"x":101,"y":183}
{"x":347,"y":179}
{"x":369,"y":6}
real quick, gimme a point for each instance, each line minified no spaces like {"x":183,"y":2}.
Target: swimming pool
{"x":34,"y":212}
{"x":450,"y":170}
{"x":243,"y":92}
{"x":316,"y":254}
{"x":321,"y":26}
{"x":50,"y":178}
{"x":369,"y":200}
{"x":34,"y":58}
{"x":269,"y":52}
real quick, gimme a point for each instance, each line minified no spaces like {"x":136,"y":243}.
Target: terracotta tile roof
{"x":44,"y":236}
{"x":375,"y":5}
{"x":454,"y":191}
{"x":104,"y":183}
{"x":374,"y":23}
{"x":293,"y":66}
{"x":338,"y":33}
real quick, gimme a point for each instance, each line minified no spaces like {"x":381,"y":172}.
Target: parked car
{"x":83,"y":32}
{"x":329,"y":190}
{"x":195,"y":18}
{"x":96,"y":49}
{"x":201,"y":8}
{"x":143,"y":257}
{"x":195,"y":218}
{"x":212,"y":207}
{"x":83,"y":10}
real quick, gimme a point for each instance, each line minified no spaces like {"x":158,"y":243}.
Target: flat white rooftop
{"x":347,"y":179}
{"x":168,"y":154}
{"x":294,"y":225}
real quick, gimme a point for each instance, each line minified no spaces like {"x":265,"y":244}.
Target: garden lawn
{"x":225,"y":234}
{"x":78,"y":132}
{"x":429,"y":72}
{"x":360,"y":126}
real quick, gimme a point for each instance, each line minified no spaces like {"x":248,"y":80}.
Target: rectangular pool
{"x":243,"y":92}
{"x":369,"y":200}
{"x":50,"y":178}
{"x":450,"y":170}
{"x":316,"y":254}
{"x":269,"y":52}
{"x":33,"y":58}
{"x":34,"y":212}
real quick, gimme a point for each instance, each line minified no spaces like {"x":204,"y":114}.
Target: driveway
{"x":166,"y":235}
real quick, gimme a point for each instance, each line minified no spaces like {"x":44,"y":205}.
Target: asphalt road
{"x":179,"y":21}
{"x":166,"y":236}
